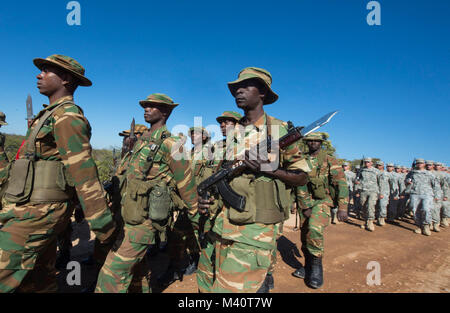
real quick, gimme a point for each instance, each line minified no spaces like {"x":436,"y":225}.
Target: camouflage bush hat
{"x":66,"y":63}
{"x":200,"y":129}
{"x":417,"y":161}
{"x":138,"y":129}
{"x":158,"y":98}
{"x":229,"y":115}
{"x":3,"y":119}
{"x":255,"y":73}
{"x":314,"y":136}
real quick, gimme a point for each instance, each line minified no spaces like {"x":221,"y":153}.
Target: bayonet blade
{"x":132,"y":129}
{"x":317,"y":124}
{"x":29,"y":108}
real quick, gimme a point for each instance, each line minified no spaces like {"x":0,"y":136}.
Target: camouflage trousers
{"x":445,"y":209}
{"x":436,"y":211}
{"x":312,"y":228}
{"x":125,"y":267}
{"x":368,"y":201}
{"x":28,"y":241}
{"x":404,"y":205}
{"x":382,"y":207}
{"x":207,"y":264}
{"x":422,"y":205}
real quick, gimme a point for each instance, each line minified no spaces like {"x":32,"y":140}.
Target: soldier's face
{"x":420,"y":166}
{"x":390,"y":168}
{"x":380,"y":167}
{"x":345,"y":167}
{"x":247,"y":94}
{"x":314,"y":145}
{"x":50,"y":80}
{"x":368,"y":164}
{"x":197,"y":138}
{"x":226,"y":125}
{"x":429,"y":167}
{"x":153,"y":114}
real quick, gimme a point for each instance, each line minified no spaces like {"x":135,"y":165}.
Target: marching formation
{"x":216,"y":210}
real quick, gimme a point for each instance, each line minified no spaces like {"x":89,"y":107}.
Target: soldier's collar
{"x":258,"y":124}
{"x":60,"y":100}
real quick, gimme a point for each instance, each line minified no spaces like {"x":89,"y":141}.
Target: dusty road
{"x":408,"y":262}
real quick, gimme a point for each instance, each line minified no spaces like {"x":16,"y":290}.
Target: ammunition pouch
{"x":318,"y":188}
{"x":146,"y":199}
{"x":268,"y":201}
{"x":38,"y":182}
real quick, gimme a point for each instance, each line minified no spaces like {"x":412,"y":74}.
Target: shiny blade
{"x":317,"y":124}
{"x":132,"y":129}
{"x":29,"y":108}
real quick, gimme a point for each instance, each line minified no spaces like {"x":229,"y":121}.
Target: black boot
{"x":314,"y":274}
{"x":266,"y":285}
{"x":171,"y":275}
{"x":270,"y":281}
{"x":62,"y":260}
{"x":299,"y":272}
{"x":192,"y":267}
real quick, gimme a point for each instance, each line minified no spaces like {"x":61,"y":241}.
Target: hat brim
{"x":270,"y":98}
{"x":144,"y":103}
{"x":219,"y":118}
{"x":3,"y":123}
{"x":82,"y":80}
{"x":313,"y":139}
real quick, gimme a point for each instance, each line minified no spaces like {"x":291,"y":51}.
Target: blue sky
{"x":391,"y":83}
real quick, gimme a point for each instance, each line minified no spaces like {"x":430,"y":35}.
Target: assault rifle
{"x":220,"y":179}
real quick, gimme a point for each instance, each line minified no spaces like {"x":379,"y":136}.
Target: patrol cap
{"x":380,"y":163}
{"x":439,"y":164}
{"x":420,"y":161}
{"x":397,"y":166}
{"x":259,"y":74}
{"x":229,"y":115}
{"x":66,"y":63}
{"x":390,"y":165}
{"x":367,"y":159}
{"x":429,"y":162}
{"x":314,"y":136}
{"x":3,"y":119}
{"x":345,"y":164}
{"x":158,"y":98}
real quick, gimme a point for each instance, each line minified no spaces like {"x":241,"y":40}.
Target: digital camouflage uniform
{"x":126,"y":263}
{"x":28,"y":237}
{"x":350,"y":178}
{"x":383,"y":179}
{"x":437,"y":205}
{"x":331,"y":173}
{"x":423,"y":192}
{"x":394,"y":194}
{"x":403,"y":191}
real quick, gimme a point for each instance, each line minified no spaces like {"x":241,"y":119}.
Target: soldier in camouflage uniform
{"x":56,"y":155}
{"x":4,"y":162}
{"x":350,"y":178}
{"x":437,"y":205}
{"x":356,"y":202}
{"x":206,"y":264}
{"x":327,"y":187}
{"x":383,"y":202}
{"x":402,"y":191}
{"x":393,"y":193}
{"x":369,"y":190}
{"x":158,"y":173}
{"x":444,"y":181}
{"x":424,"y":192}
{"x":245,"y":241}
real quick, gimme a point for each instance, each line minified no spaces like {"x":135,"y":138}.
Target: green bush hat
{"x":390,"y":165}
{"x":255,"y":73}
{"x":314,"y":136}
{"x":420,"y":161}
{"x":158,"y":98}
{"x":138,"y":129}
{"x":3,"y":119}
{"x":66,"y":63}
{"x":367,"y":159}
{"x":229,"y":115}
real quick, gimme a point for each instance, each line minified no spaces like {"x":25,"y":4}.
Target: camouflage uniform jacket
{"x":333,"y":173}
{"x":442,"y":180}
{"x":350,"y":177}
{"x":423,"y":183}
{"x":394,"y":190}
{"x":65,"y":137}
{"x":437,"y":178}
{"x":257,"y":234}
{"x":368,"y":180}
{"x":383,"y":179}
{"x":173,"y":169}
{"x":200,"y":159}
{"x":4,"y":162}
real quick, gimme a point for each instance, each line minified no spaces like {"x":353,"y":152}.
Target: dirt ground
{"x":408,"y":262}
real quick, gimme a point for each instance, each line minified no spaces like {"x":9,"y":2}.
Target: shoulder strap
{"x":30,"y":151}
{"x":154,"y":148}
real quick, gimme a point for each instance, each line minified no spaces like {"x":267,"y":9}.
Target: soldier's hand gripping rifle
{"x":220,"y":179}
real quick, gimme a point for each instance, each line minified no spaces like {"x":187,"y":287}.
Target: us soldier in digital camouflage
{"x":56,"y":155}
{"x":158,"y":175}
{"x":327,"y":188}
{"x":206,"y":264}
{"x":444,"y":182}
{"x":350,"y":178}
{"x":403,"y":191}
{"x":356,"y":202}
{"x":245,"y":241}
{"x":369,"y":190}
{"x":436,"y":211}
{"x":385,"y":190}
{"x":393,"y":193}
{"x":424,"y":193}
